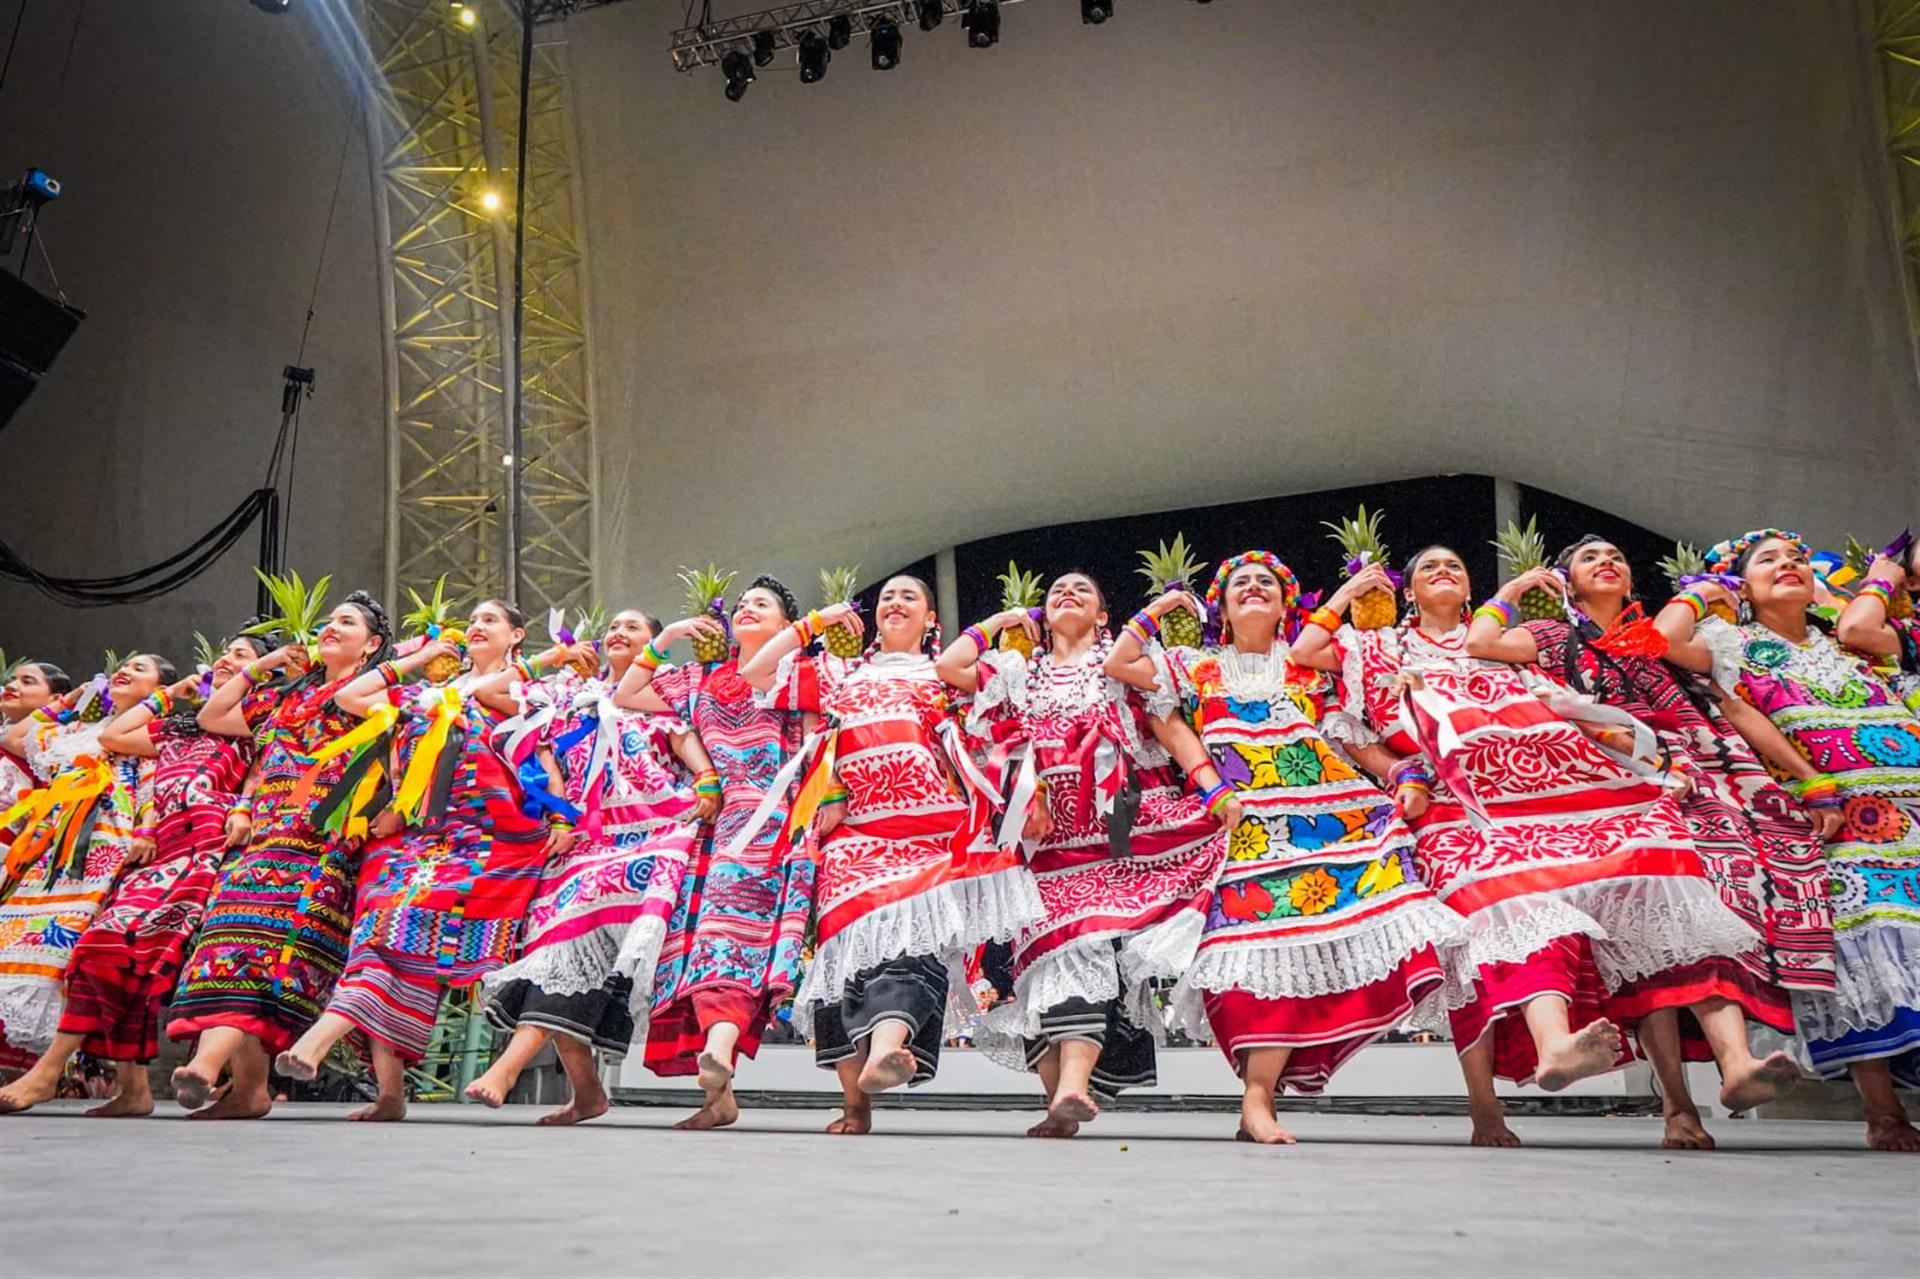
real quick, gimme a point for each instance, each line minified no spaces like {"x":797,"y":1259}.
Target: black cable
{"x":147,"y":583}
{"x":12,"y":40}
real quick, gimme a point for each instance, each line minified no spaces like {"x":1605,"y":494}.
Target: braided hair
{"x":185,"y":719}
{"x":376,"y":619}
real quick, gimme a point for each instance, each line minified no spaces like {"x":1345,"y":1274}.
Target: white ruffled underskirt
{"x":949,"y":920}
{"x":30,"y":1009}
{"x":1878,"y":971}
{"x":1311,"y":969}
{"x":582,"y":964}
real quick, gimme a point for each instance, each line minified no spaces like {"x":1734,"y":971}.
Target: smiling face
{"x":25,"y":693}
{"x":492,"y":634}
{"x":759,"y":615}
{"x":626,"y":635}
{"x":902,"y":614}
{"x":138,"y":676}
{"x":1438,"y":583}
{"x":1074,"y":605}
{"x":238,"y":655}
{"x":1777,"y":572}
{"x":347,"y":639}
{"x":1599,"y":571}
{"x":1253,"y":598}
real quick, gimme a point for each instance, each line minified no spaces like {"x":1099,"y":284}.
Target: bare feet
{"x":1051,"y":1127}
{"x":485,"y":1091}
{"x":1258,"y":1124}
{"x":586,"y":1104}
{"x":1893,"y":1132}
{"x":854,"y":1120}
{"x":1684,"y":1131}
{"x":890,"y":1071}
{"x":291,"y":1064}
{"x":122,"y":1106}
{"x":30,"y":1089}
{"x":190,"y":1087}
{"x":384,"y":1110}
{"x":238,"y":1103}
{"x":715,"y":1074}
{"x":1591,"y":1050}
{"x":721,"y":1109}
{"x":1493,"y":1132}
{"x":1074,"y":1108}
{"x":1769,"y":1077}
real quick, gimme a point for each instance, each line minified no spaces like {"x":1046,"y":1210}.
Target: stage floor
{"x":460,"y":1191}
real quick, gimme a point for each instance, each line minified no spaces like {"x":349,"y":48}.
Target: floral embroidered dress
{"x":130,"y":956}
{"x":1849,"y":723}
{"x":1113,"y":923}
{"x":733,"y":946}
{"x":1320,"y":936}
{"x":1574,"y":871}
{"x":61,"y":867}
{"x":912,"y":873}
{"x":274,"y":938}
{"x":593,"y":933}
{"x":1755,"y":841}
{"x":439,"y":903}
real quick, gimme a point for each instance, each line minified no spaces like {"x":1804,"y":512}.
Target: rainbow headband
{"x":1722,"y":557}
{"x":1217,"y":592}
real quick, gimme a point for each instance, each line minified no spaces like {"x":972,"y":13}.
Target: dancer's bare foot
{"x":1591,"y":1050}
{"x":715,"y":1075}
{"x":1770,"y":1076}
{"x":190,"y":1087}
{"x":586,"y":1104}
{"x":294,"y":1066}
{"x":1493,"y":1131}
{"x":890,"y":1071}
{"x":1894,"y":1133}
{"x":854,"y":1121}
{"x":721,"y":1109}
{"x":30,"y":1089}
{"x":1051,"y":1127}
{"x":485,"y":1091}
{"x":1684,"y":1131}
{"x":1258,"y":1124}
{"x":124,"y":1106}
{"x":1073,"y":1108}
{"x":238,"y":1103}
{"x":384,"y":1110}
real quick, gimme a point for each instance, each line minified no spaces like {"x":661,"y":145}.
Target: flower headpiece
{"x":1722,"y":557}
{"x":1216,"y":593}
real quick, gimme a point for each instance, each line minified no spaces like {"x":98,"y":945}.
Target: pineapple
{"x":431,"y":617}
{"x":1525,"y":549}
{"x":1359,"y":540}
{"x":301,"y":610}
{"x":837,"y":586}
{"x":1171,"y":568}
{"x":589,"y":626}
{"x":1687,"y":560}
{"x":707,"y":593}
{"x":1859,"y":558}
{"x":96,"y":707}
{"x":1018,"y":590}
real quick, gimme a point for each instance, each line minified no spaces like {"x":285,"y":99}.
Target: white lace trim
{"x":1307,"y":970}
{"x":1163,"y":698}
{"x":582,"y":964}
{"x":1092,"y":970}
{"x":1878,"y":966}
{"x":1005,"y":685}
{"x":951,"y":918}
{"x":30,"y":1008}
{"x":1726,"y":646}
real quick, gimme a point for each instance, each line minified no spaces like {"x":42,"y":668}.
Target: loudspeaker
{"x":33,"y":329}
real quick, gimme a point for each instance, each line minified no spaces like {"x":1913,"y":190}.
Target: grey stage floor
{"x":461,"y":1191}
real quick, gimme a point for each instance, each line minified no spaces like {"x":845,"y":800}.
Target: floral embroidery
{"x":1249,"y":841}
{"x":1314,"y":891}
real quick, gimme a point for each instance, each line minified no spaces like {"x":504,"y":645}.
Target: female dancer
{"x":732,"y":951}
{"x":1846,"y":723}
{"x":1571,"y":864}
{"x":593,"y":933}
{"x":448,"y":870}
{"x":1320,"y":936}
{"x":29,"y":686}
{"x":1756,"y":843}
{"x":910,"y":880}
{"x":275,"y":933}
{"x":78,"y":832}
{"x":1872,"y":624}
{"x":1123,"y":907}
{"x":126,"y":962}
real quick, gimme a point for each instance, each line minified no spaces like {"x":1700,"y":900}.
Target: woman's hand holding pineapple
{"x":1012,"y":619}
{"x":1373,"y":577}
{"x":847,"y":615}
{"x":1164,"y":604}
{"x":688,"y":627}
{"x":438,"y":647}
{"x":1534,"y":579}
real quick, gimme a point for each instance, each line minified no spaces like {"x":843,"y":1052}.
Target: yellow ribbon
{"x":378,"y":720}
{"x":818,"y":782}
{"x":413,"y":788}
{"x":88,"y":777}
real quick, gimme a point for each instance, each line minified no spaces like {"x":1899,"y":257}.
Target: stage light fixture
{"x":885,"y":39}
{"x":982,"y":21}
{"x":738,"y":70}
{"x":839,"y":33}
{"x":762,"y":48}
{"x":1095,"y":12}
{"x":490,"y":201}
{"x":814,"y":56}
{"x":930,"y":12}
{"x":467,"y":15}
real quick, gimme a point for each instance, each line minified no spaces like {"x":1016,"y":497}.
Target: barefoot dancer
{"x":79,"y":829}
{"x":1117,"y":916}
{"x":1758,"y":845}
{"x":1845,"y":722}
{"x":1320,"y":936}
{"x":733,"y":946}
{"x":593,"y":933}
{"x":910,"y":880}
{"x":447,"y":874}
{"x":275,"y":933}
{"x":1573,"y":869}
{"x":128,"y":959}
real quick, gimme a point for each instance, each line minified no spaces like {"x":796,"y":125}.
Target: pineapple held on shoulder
{"x":1022,"y":591}
{"x":1860,"y":558}
{"x":298,"y":613}
{"x":1358,"y":537}
{"x":707,"y":597}
{"x":1688,"y":561}
{"x":1169,"y":569}
{"x":431,"y":619}
{"x":838,"y":586}
{"x":1525,"y":549}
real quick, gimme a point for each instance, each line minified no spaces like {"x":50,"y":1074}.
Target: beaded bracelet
{"x":651,"y":658}
{"x":1410,"y":772}
{"x":525,"y":670}
{"x":978,"y":636}
{"x":1325,"y":618}
{"x":707,"y":783}
{"x":1822,"y":790}
{"x":159,"y":702}
{"x":1694,"y":601}
{"x":1879,"y":588}
{"x":389,"y":673}
{"x":1215,"y":796}
{"x":1498,"y":609}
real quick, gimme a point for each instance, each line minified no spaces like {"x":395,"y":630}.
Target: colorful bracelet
{"x":1411,"y":771}
{"x":160,"y":702}
{"x":979,"y":638}
{"x":1143,"y":627}
{"x":651,"y":658}
{"x":1498,"y":609}
{"x":1325,"y":618}
{"x":838,"y":795}
{"x":1822,"y":790}
{"x":252,"y":673}
{"x":144,"y":832}
{"x":707,"y":783}
{"x":556,"y":822}
{"x":1879,"y":588}
{"x":1694,"y":601}
{"x":389,"y":673}
{"x":1215,"y":797}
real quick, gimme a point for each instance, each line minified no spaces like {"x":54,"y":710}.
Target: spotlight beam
{"x":704,"y":46}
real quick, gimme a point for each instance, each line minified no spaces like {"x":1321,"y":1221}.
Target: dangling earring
{"x":1743,"y":612}
{"x":930,"y":639}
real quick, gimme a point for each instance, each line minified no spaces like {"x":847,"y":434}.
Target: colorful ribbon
{"x":442,"y":706}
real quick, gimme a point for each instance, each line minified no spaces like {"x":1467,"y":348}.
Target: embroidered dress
{"x":60,"y":869}
{"x":1754,"y":840}
{"x":274,"y":938}
{"x":912,"y":872}
{"x":1849,"y":723}
{"x":1113,"y":923}
{"x":439,"y":904}
{"x":733,"y":946}
{"x":593,"y":934}
{"x":1575,"y":873}
{"x":127,"y":961}
{"x":1320,"y":936}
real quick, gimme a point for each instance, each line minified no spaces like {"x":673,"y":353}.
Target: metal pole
{"x":503,"y":275}
{"x":515,"y":492}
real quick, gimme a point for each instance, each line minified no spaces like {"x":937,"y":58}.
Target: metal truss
{"x":443,"y":103}
{"x":704,"y":45}
{"x":1897,"y":42}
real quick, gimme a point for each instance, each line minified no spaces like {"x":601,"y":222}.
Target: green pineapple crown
{"x":1359,"y":537}
{"x":590,"y":623}
{"x":1522,"y":547}
{"x":1857,"y":554}
{"x":839,"y":585}
{"x":299,"y":609}
{"x":1168,"y":568}
{"x":1018,"y":589}
{"x":435,"y":610}
{"x":204,"y":653}
{"x":706,"y":587}
{"x":1686,"y":560}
